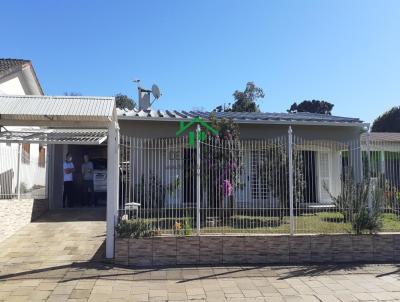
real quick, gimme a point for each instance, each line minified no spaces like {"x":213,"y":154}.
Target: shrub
{"x":353,"y":204}
{"x":134,"y":229}
{"x":250,"y":222}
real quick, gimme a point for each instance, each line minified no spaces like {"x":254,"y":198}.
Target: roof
{"x":10,"y":65}
{"x":382,"y":136}
{"x":240,"y":117}
{"x":55,"y":136}
{"x":56,"y":108}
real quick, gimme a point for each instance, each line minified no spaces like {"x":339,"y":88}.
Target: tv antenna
{"x":144,"y":95}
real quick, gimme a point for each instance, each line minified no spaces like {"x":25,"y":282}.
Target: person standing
{"x":68,"y":180}
{"x":87,"y":173}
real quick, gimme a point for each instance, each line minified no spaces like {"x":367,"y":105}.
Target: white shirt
{"x":68,"y":165}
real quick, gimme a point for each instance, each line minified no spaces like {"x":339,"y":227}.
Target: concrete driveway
{"x":56,"y":259}
{"x":65,"y":236}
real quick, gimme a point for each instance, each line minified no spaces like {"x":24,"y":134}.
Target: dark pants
{"x":88,"y":192}
{"x":68,"y":193}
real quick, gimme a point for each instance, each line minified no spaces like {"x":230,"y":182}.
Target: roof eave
{"x":259,"y":122}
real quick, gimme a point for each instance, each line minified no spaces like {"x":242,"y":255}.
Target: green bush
{"x":251,"y":222}
{"x":134,"y":229}
{"x":353,"y":204}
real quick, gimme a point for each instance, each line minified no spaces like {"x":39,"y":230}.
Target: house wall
{"x":164,"y":129}
{"x":22,"y":82}
{"x":57,"y":154}
{"x":14,"y":214}
{"x":12,"y":86}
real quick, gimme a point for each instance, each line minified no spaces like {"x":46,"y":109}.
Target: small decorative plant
{"x":188,"y":226}
{"x":183,"y":228}
{"x":135,"y":228}
{"x":177,"y":228}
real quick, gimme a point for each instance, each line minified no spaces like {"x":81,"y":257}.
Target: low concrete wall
{"x":14,"y":214}
{"x":271,"y":249}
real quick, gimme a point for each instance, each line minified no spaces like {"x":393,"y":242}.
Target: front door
{"x":324,"y":177}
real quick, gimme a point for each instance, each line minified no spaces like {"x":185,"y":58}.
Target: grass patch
{"x":314,"y":223}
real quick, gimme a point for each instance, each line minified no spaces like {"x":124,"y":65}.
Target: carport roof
{"x":54,"y":136}
{"x":56,"y":109}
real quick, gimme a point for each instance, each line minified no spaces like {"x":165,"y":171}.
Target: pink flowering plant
{"x":221,"y":164}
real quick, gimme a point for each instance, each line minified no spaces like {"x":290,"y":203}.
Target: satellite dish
{"x":155,"y":91}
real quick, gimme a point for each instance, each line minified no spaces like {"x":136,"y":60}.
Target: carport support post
{"x":19,"y":171}
{"x":290,"y":155}
{"x":112,"y":185}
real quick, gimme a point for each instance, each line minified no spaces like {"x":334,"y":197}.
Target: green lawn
{"x":317,"y":223}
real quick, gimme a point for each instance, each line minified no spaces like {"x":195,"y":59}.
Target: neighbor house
{"x":18,"y":77}
{"x":22,"y":163}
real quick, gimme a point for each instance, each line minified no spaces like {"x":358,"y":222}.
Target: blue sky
{"x":198,"y":52}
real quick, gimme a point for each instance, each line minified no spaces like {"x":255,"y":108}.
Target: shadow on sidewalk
{"x":98,"y":268}
{"x":73,"y":214}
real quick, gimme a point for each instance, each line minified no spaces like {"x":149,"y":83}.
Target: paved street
{"x":59,"y":259}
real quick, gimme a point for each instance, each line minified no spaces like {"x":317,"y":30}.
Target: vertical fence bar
{"x":198,"y":195}
{"x":290,"y":154}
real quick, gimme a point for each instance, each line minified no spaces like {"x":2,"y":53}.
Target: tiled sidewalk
{"x":90,"y":281}
{"x":58,"y":259}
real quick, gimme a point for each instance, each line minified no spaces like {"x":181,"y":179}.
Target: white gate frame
{"x":112,"y":185}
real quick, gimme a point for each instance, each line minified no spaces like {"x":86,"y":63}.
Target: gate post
{"x":112,"y":186}
{"x":369,"y":174}
{"x":290,"y":154}
{"x":198,"y":195}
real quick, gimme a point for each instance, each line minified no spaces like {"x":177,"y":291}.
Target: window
{"x":259,"y":188}
{"x":26,"y":153}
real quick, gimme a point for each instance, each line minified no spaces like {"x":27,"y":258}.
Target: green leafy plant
{"x":353,"y":203}
{"x":187,"y":227}
{"x":221,"y":165}
{"x":134,"y":228}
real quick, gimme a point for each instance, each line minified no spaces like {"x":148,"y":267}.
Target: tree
{"x":314,"y":106}
{"x":124,"y":102}
{"x":388,"y":121}
{"x":245,"y":101}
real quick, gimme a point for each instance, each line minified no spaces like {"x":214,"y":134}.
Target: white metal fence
{"x":285,"y":184}
{"x":22,"y":171}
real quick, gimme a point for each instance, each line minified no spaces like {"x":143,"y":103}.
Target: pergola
{"x":67,"y":120}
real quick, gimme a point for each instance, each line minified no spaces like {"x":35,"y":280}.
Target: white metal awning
{"x":57,"y":111}
{"x":55,"y":136}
